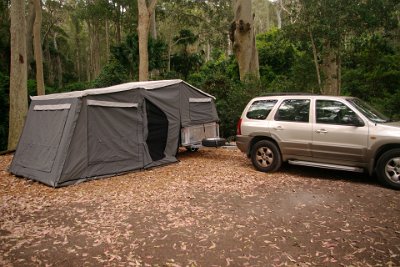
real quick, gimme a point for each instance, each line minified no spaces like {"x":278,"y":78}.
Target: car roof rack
{"x":289,"y":93}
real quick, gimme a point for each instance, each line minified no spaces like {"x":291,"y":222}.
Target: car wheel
{"x":388,"y":168}
{"x":265,"y":156}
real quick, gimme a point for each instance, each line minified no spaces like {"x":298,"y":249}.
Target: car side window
{"x":260,"y":109}
{"x":296,"y":110}
{"x":334,"y":112}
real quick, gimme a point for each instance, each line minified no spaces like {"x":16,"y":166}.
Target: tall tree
{"x":244,"y":41}
{"x":30,"y":19}
{"x":328,"y":26}
{"x":37,"y":27}
{"x":18,"y":73}
{"x":145,"y":13}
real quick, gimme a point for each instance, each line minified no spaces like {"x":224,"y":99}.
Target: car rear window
{"x":260,"y":109}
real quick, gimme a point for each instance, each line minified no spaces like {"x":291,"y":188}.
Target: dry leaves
{"x":210,"y":209}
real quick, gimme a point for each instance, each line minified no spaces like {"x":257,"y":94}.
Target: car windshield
{"x":368,"y":111}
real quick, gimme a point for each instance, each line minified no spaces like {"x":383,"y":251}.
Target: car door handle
{"x":322,"y":131}
{"x":278,"y":128}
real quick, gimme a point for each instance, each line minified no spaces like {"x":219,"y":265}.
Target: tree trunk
{"x":153,"y":25}
{"x":58,"y":63}
{"x":118,"y":31}
{"x":78,"y":67}
{"x":18,"y":73}
{"x":94,"y":49}
{"x":49,"y":62}
{"x":169,"y":55}
{"x":37,"y":26}
{"x":278,"y":11}
{"x":30,"y":19}
{"x":229,"y":46}
{"x":314,"y":49}
{"x":208,"y":51}
{"x":330,"y":68}
{"x":89,"y":66}
{"x":145,"y":13}
{"x":244,"y":40}
{"x":107,"y":41}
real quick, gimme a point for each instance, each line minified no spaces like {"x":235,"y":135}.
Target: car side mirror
{"x":356,"y":121}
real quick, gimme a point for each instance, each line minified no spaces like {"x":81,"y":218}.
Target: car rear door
{"x":291,"y":127}
{"x":338,"y":135}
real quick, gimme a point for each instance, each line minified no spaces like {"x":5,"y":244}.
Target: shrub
{"x":113,"y":73}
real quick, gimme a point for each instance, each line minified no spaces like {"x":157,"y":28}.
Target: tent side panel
{"x":196,"y":107}
{"x":115,"y":133}
{"x":41,"y":150}
{"x":75,"y":165}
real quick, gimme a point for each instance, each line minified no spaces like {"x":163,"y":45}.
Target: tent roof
{"x":148,"y":85}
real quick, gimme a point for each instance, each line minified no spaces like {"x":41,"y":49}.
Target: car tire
{"x":388,"y":168}
{"x":266,"y":156}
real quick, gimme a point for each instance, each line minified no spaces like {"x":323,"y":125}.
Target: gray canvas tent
{"x":77,"y":136}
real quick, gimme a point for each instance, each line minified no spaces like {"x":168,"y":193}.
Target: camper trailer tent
{"x":77,"y":136}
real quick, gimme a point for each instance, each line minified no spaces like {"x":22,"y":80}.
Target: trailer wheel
{"x":192,"y":148}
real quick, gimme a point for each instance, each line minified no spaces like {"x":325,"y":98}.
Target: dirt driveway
{"x":210,"y":209}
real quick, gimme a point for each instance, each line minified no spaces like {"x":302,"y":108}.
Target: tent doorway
{"x":157,"y":124}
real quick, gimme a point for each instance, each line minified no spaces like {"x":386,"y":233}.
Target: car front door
{"x":339,"y":135}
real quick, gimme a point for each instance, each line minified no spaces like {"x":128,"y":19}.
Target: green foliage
{"x":4,"y":107}
{"x":157,"y":51}
{"x":185,"y":62}
{"x":231,"y":98}
{"x":370,"y":63}
{"x":113,"y":73}
{"x":127,"y":54}
{"x":5,"y":37}
{"x":185,"y":38}
{"x":371,"y":71}
{"x":220,"y":78}
{"x":77,"y":86}
{"x":284,"y":66}
{"x":32,"y":88}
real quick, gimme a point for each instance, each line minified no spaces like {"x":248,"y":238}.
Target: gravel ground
{"x":210,"y":209}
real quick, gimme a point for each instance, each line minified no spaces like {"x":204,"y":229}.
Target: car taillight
{"x":239,"y":124}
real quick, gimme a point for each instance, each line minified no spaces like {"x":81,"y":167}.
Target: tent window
{"x":200,"y":100}
{"x":111,"y":104}
{"x":113,"y":133}
{"x":52,"y":107}
{"x":42,"y":136}
{"x":200,"y":109}
{"x":157,"y":124}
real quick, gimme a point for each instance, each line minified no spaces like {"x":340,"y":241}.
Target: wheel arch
{"x":380,"y":151}
{"x":255,"y":139}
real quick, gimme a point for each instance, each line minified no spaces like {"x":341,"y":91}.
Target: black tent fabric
{"x":157,"y":125}
{"x":82,"y":135}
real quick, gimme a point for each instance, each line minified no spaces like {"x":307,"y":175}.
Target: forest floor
{"x":210,"y":209}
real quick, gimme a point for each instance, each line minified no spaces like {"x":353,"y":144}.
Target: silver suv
{"x":342,"y":133}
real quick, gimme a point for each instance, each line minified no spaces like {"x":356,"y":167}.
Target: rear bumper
{"x":243,"y":143}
